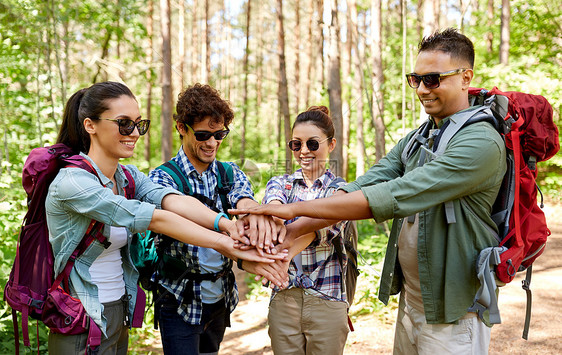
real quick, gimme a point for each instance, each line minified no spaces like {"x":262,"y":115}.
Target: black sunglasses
{"x":127,"y":126}
{"x":202,"y":136}
{"x":312,"y":144}
{"x":431,"y":80}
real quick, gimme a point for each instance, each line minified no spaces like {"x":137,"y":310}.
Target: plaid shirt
{"x":321,"y":270}
{"x":204,"y":184}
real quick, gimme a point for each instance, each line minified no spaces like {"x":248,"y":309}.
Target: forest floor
{"x":374,"y":332}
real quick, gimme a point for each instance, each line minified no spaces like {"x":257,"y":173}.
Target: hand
{"x":226,"y":246}
{"x":284,"y":211}
{"x":277,"y":273}
{"x":263,"y":231}
{"x":233,"y":230}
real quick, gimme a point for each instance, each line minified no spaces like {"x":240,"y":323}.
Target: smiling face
{"x":200,"y":153}
{"x":104,"y":134}
{"x":313,"y":163}
{"x":452,"y":94}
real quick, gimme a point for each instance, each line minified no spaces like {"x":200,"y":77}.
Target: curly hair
{"x":449,"y":41}
{"x":197,"y":102}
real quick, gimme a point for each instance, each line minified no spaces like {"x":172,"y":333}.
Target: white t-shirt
{"x":107,"y":270}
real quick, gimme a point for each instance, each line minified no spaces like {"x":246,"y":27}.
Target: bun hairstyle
{"x":87,"y":103}
{"x":318,"y":116}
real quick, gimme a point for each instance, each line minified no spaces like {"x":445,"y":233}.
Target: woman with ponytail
{"x":310,"y":316}
{"x":103,"y":123}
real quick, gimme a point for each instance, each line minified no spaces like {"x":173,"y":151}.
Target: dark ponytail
{"x":87,"y":103}
{"x":318,"y":116}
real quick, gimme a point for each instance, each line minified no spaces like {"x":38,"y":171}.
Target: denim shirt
{"x":469,"y":173}
{"x":76,"y":197}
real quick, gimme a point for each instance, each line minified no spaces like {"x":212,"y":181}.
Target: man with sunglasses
{"x":195,"y":309}
{"x":440,"y":205}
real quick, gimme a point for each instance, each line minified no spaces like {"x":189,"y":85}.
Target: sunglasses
{"x":312,"y":144}
{"x":202,"y":136}
{"x":127,"y":126}
{"x":431,"y":80}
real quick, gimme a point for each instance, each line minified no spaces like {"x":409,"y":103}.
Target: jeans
{"x":180,"y":337}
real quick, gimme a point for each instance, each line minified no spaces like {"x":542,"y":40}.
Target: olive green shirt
{"x":469,"y":173}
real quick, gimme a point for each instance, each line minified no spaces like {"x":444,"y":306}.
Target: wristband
{"x":217,"y":218}
{"x":239,"y":263}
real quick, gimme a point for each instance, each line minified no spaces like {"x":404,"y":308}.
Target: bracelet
{"x":217,"y":218}
{"x":239,"y":263}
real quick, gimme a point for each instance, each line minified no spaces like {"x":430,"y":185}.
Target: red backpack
{"x":526,"y":125}
{"x":38,"y":294}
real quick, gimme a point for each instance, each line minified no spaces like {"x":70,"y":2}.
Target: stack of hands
{"x":257,"y":233}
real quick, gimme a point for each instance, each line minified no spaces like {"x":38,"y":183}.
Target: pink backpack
{"x":38,"y":294}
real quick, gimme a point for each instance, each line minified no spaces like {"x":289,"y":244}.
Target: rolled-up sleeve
{"x":77,"y":191}
{"x":275,"y":190}
{"x":242,"y":188}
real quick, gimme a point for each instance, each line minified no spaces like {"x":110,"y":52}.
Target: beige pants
{"x":414,"y":336}
{"x":304,"y":324}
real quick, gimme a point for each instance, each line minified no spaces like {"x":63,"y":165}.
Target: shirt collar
{"x":323,"y":180}
{"x":120,"y":177}
{"x":185,"y":164}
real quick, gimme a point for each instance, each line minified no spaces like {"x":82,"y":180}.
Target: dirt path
{"x":372,"y":335}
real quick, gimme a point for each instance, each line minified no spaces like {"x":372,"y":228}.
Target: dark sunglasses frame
{"x":312,"y":144}
{"x":202,"y":136}
{"x":127,"y":126}
{"x":430,"y":80}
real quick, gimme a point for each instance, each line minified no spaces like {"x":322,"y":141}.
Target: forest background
{"x":271,"y":59}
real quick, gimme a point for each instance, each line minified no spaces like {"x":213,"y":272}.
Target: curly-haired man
{"x":195,"y":307}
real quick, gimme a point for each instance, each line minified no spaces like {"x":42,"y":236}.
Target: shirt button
{"x":395,"y":245}
{"x":391,"y":274}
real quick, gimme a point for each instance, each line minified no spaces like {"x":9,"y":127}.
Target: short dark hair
{"x":449,"y":41}
{"x":87,"y":103}
{"x":199,"y":101}
{"x":318,"y":116}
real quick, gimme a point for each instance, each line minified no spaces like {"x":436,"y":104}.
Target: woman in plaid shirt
{"x":310,"y":316}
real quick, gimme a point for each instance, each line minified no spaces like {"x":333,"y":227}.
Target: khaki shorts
{"x":305,"y":324}
{"x":414,"y":336}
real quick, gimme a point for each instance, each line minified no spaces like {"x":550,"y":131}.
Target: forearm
{"x":341,"y":206}
{"x":246,"y":203}
{"x":192,"y":209}
{"x":186,"y":231}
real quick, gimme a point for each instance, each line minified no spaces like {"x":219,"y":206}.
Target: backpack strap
{"x":130,"y":188}
{"x":225,"y":179}
{"x":172,"y":168}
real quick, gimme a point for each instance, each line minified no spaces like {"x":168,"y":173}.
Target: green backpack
{"x":147,"y":248}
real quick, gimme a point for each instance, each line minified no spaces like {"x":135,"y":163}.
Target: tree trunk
{"x":245,"y":92}
{"x":297,"y":86}
{"x":357,"y":88}
{"x":378,"y":79}
{"x":149,"y":32}
{"x":283,"y":92}
{"x":429,"y":20}
{"x":504,"y":37}
{"x":311,"y":56}
{"x":404,"y":50}
{"x":321,"y":25}
{"x":194,"y":44}
{"x":53,"y":20}
{"x":181,"y":43}
{"x":490,"y":33}
{"x":167,"y":100}
{"x":206,"y":69}
{"x":334,"y":85}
